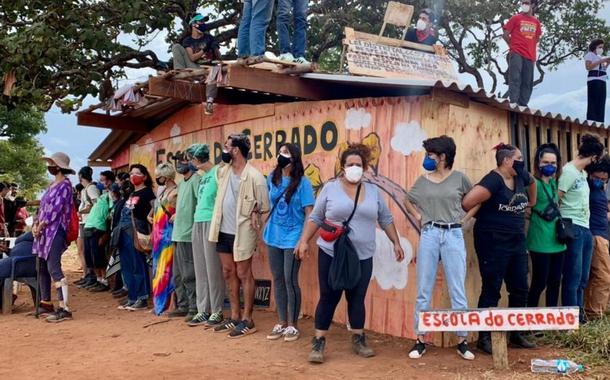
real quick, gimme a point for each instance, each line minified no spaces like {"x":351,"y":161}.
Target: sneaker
{"x":138,"y":305}
{"x":359,"y":346}
{"x":199,"y":319}
{"x":226,"y":326}
{"x":99,"y":288}
{"x":288,"y":57}
{"x":517,"y":339}
{"x":91,"y":286}
{"x":270,"y":55}
{"x":277,"y":332}
{"x":464,"y":351}
{"x":80,"y":281}
{"x":317,"y":350}
{"x":125,"y":305}
{"x":88,"y":282}
{"x":214,"y":320}
{"x":59,"y":316}
{"x":209,"y":108}
{"x":45,"y":308}
{"x":242,"y":329}
{"x":302,"y":61}
{"x":119,"y":293}
{"x":177,"y":313}
{"x":484,"y":342}
{"x":291,"y":334}
{"x":418,"y":350}
{"x":190,"y":316}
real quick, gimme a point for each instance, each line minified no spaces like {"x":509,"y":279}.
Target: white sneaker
{"x":287,"y":57}
{"x":270,"y":55}
{"x":276,"y":333}
{"x":302,"y":61}
{"x":291,"y":334}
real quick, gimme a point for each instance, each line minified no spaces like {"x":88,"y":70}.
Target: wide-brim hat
{"x":61,"y":160}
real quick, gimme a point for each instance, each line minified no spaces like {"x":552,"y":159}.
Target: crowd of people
{"x":186,"y":245}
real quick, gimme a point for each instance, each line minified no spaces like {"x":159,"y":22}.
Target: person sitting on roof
{"x":198,"y":47}
{"x":424,"y":32}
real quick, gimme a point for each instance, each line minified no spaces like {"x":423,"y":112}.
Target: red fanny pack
{"x":329,"y":231}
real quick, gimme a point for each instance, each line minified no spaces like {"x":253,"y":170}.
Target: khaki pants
{"x":597,"y":294}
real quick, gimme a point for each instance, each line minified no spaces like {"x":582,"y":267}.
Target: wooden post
{"x":499,"y":349}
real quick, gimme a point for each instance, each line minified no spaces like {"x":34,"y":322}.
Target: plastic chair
{"x":7,"y":289}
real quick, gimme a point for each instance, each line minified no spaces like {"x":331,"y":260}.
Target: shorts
{"x":81,"y":230}
{"x":225,"y":243}
{"x":95,"y":254}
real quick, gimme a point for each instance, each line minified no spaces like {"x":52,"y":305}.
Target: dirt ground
{"x":103,"y":342}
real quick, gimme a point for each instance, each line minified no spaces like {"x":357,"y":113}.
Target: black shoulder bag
{"x":344,"y":273}
{"x":563,"y":227}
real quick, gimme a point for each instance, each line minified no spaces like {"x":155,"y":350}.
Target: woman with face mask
{"x":163,"y":248}
{"x":424,"y":32}
{"x":499,"y":234}
{"x":435,"y":200}
{"x":574,"y":205}
{"x":596,"y":65}
{"x":333,"y":207}
{"x":292,"y":199}
{"x":133,"y":262}
{"x":546,"y":252}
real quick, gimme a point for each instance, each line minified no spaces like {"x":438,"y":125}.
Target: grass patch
{"x":590,"y":345}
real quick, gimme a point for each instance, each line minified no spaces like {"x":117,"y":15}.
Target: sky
{"x":563,"y":91}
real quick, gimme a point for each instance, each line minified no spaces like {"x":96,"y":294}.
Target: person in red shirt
{"x":522,"y":33}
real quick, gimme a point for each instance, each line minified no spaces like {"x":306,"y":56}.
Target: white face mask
{"x":599,"y":51}
{"x":421,"y":25}
{"x":525,"y":8}
{"x":353,"y":174}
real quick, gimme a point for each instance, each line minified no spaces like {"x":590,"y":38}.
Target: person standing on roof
{"x":292,"y":50}
{"x":522,"y":34}
{"x":255,"y":18}
{"x":597,"y":76}
{"x":424,"y":32}
{"x":199,"y":47}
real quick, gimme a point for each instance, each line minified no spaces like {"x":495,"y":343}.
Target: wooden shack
{"x":321,"y":113}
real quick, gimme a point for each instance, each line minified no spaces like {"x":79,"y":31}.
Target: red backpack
{"x":73,"y":226}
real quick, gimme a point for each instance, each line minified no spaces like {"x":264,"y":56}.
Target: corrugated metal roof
{"x":472,"y":92}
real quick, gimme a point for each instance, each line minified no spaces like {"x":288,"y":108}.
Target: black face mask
{"x":160,"y":182}
{"x":283,"y":161}
{"x":226,"y":157}
{"x":182,"y":168}
{"x":53,"y":170}
{"x":519,"y":167}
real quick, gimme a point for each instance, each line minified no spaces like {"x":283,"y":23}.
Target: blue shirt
{"x":285,"y":224}
{"x":598,"y":204}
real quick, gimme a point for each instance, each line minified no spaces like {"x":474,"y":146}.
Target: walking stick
{"x":37,"y":302}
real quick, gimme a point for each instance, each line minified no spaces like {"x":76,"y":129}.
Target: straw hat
{"x":61,"y":160}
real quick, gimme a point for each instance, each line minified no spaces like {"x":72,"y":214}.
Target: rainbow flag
{"x":163,"y":256}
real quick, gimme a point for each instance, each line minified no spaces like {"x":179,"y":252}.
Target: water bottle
{"x":556,"y":366}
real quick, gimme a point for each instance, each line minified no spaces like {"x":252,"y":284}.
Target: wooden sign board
{"x":372,"y":59}
{"x":516,"y":319}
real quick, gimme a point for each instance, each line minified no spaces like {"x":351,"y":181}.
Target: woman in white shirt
{"x":596,"y":66}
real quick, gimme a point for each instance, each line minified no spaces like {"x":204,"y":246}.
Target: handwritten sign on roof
{"x":372,"y":59}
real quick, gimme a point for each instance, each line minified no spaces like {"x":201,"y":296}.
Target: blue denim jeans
{"x":447,"y":246}
{"x":576,"y":267}
{"x":133,"y":268}
{"x":299,"y":14}
{"x":255,"y":18}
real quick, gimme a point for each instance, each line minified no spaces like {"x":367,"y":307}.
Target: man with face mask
{"x":424,"y":32}
{"x":88,"y":196}
{"x":184,"y":270}
{"x":522,"y":34}
{"x":236,"y":222}
{"x":199,"y":46}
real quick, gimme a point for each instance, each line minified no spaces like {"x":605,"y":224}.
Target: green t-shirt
{"x":206,"y":196}
{"x":541,"y":236}
{"x":185,"y":209}
{"x":99,"y":213}
{"x":575,"y":201}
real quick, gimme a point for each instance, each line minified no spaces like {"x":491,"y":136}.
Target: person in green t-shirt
{"x":183,"y":267}
{"x":574,"y":195}
{"x":209,"y":280}
{"x":546,"y":252}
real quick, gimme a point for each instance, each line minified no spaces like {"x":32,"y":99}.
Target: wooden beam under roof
{"x":125,"y":123}
{"x":177,"y":89}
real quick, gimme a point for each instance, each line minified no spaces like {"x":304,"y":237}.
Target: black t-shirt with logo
{"x":206,"y":42}
{"x":504,"y":211}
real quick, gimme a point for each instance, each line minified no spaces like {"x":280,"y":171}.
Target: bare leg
{"x":230,"y":274}
{"x":244,"y":272}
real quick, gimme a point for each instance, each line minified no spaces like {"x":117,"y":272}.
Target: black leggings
{"x":329,"y":298}
{"x":546,"y":273}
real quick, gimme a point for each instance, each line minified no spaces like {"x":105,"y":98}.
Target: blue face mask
{"x":597,"y":183}
{"x":548,"y":170}
{"x":430,"y":164}
{"x":192,"y":167}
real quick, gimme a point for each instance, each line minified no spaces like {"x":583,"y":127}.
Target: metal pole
{"x":37,"y":303}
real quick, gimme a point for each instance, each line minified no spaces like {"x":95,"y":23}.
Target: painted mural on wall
{"x":391,"y":127}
